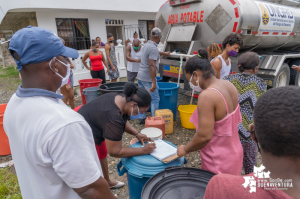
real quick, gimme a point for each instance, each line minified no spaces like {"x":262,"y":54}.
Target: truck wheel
{"x":295,"y":76}
{"x":283,"y":77}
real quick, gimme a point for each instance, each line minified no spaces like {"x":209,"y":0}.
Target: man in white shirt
{"x":52,"y":146}
{"x":222,"y":63}
{"x":133,"y":57}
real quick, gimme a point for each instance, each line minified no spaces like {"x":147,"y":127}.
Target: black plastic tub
{"x":116,"y":87}
{"x":177,"y":183}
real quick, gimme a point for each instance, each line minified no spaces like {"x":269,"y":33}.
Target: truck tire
{"x":283,"y":77}
{"x":295,"y":77}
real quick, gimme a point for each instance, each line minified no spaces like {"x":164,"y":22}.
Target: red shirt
{"x":96,"y":62}
{"x":230,"y":187}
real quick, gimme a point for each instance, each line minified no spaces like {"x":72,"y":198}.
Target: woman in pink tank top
{"x":216,"y":119}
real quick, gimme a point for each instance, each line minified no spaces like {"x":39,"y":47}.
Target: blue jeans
{"x":154,"y":96}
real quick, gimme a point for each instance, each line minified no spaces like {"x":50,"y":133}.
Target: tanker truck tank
{"x":268,"y":28}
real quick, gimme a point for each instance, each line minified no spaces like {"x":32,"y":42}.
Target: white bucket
{"x":152,"y":132}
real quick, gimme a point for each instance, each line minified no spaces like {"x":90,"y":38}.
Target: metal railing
{"x":75,"y":32}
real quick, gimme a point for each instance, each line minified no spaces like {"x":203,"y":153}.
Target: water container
{"x":168,"y":117}
{"x":158,"y":79}
{"x":4,"y":143}
{"x":91,"y":93}
{"x":177,"y":183}
{"x":87,"y":83}
{"x":150,"y":132}
{"x":168,"y":93}
{"x":186,"y":112}
{"x":116,"y":87}
{"x":141,"y":168}
{"x":157,"y":122}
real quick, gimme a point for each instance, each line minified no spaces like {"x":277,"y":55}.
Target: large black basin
{"x":116,"y":87}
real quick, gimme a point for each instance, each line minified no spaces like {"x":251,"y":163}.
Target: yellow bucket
{"x":186,"y":112}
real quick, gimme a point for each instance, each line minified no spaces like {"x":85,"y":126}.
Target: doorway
{"x":117,"y":31}
{"x":145,"y":27}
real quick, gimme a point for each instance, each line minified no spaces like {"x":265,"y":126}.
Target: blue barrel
{"x":168,"y":93}
{"x":158,"y":79}
{"x":141,"y":168}
{"x":91,"y":93}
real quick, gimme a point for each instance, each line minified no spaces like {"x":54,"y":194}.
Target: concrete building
{"x":78,"y":21}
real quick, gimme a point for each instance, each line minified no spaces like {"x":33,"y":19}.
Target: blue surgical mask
{"x":135,"y":117}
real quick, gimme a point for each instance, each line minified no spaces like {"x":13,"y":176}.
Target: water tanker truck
{"x":270,"y":28}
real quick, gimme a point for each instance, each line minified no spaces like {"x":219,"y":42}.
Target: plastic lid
{"x":147,"y":165}
{"x":152,"y":132}
{"x":177,"y":183}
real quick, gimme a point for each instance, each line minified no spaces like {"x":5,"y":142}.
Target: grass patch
{"x":9,"y":186}
{"x":9,"y":72}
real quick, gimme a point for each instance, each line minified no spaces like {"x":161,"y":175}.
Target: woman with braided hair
{"x":250,"y":88}
{"x":108,"y":117}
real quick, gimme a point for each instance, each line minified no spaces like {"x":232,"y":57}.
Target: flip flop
{"x":119,"y":185}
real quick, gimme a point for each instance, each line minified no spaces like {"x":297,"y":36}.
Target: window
{"x":145,"y":27}
{"x":75,"y":32}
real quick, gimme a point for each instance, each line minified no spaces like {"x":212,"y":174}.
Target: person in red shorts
{"x":108,"y":117}
{"x":276,"y":132}
{"x":101,"y":149}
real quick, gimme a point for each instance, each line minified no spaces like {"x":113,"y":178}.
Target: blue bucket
{"x":91,"y":93}
{"x":168,"y":93}
{"x":141,"y":168}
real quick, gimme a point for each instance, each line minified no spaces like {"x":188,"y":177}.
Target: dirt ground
{"x":180,"y":135}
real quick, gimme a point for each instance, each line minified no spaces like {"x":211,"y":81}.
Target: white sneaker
{"x":119,"y":185}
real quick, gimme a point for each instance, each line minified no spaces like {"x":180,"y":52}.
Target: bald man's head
{"x":136,"y":42}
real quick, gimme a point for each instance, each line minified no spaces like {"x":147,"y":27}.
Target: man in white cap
{"x":149,"y":68}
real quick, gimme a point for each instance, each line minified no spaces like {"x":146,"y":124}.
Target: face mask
{"x":64,"y":79}
{"x":136,"y":48}
{"x":195,"y":88}
{"x":232,"y":53}
{"x":135,"y":117}
{"x":111,"y":41}
{"x":95,"y":50}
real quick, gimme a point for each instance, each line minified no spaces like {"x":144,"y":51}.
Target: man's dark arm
{"x":152,"y":70}
{"x":128,"y":56}
{"x":165,"y":53}
{"x":96,"y":190}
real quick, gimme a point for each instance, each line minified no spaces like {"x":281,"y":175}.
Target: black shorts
{"x":99,"y":75}
{"x":131,"y":76}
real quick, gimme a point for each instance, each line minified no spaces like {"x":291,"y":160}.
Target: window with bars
{"x":145,"y":27}
{"x":75,"y":32}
